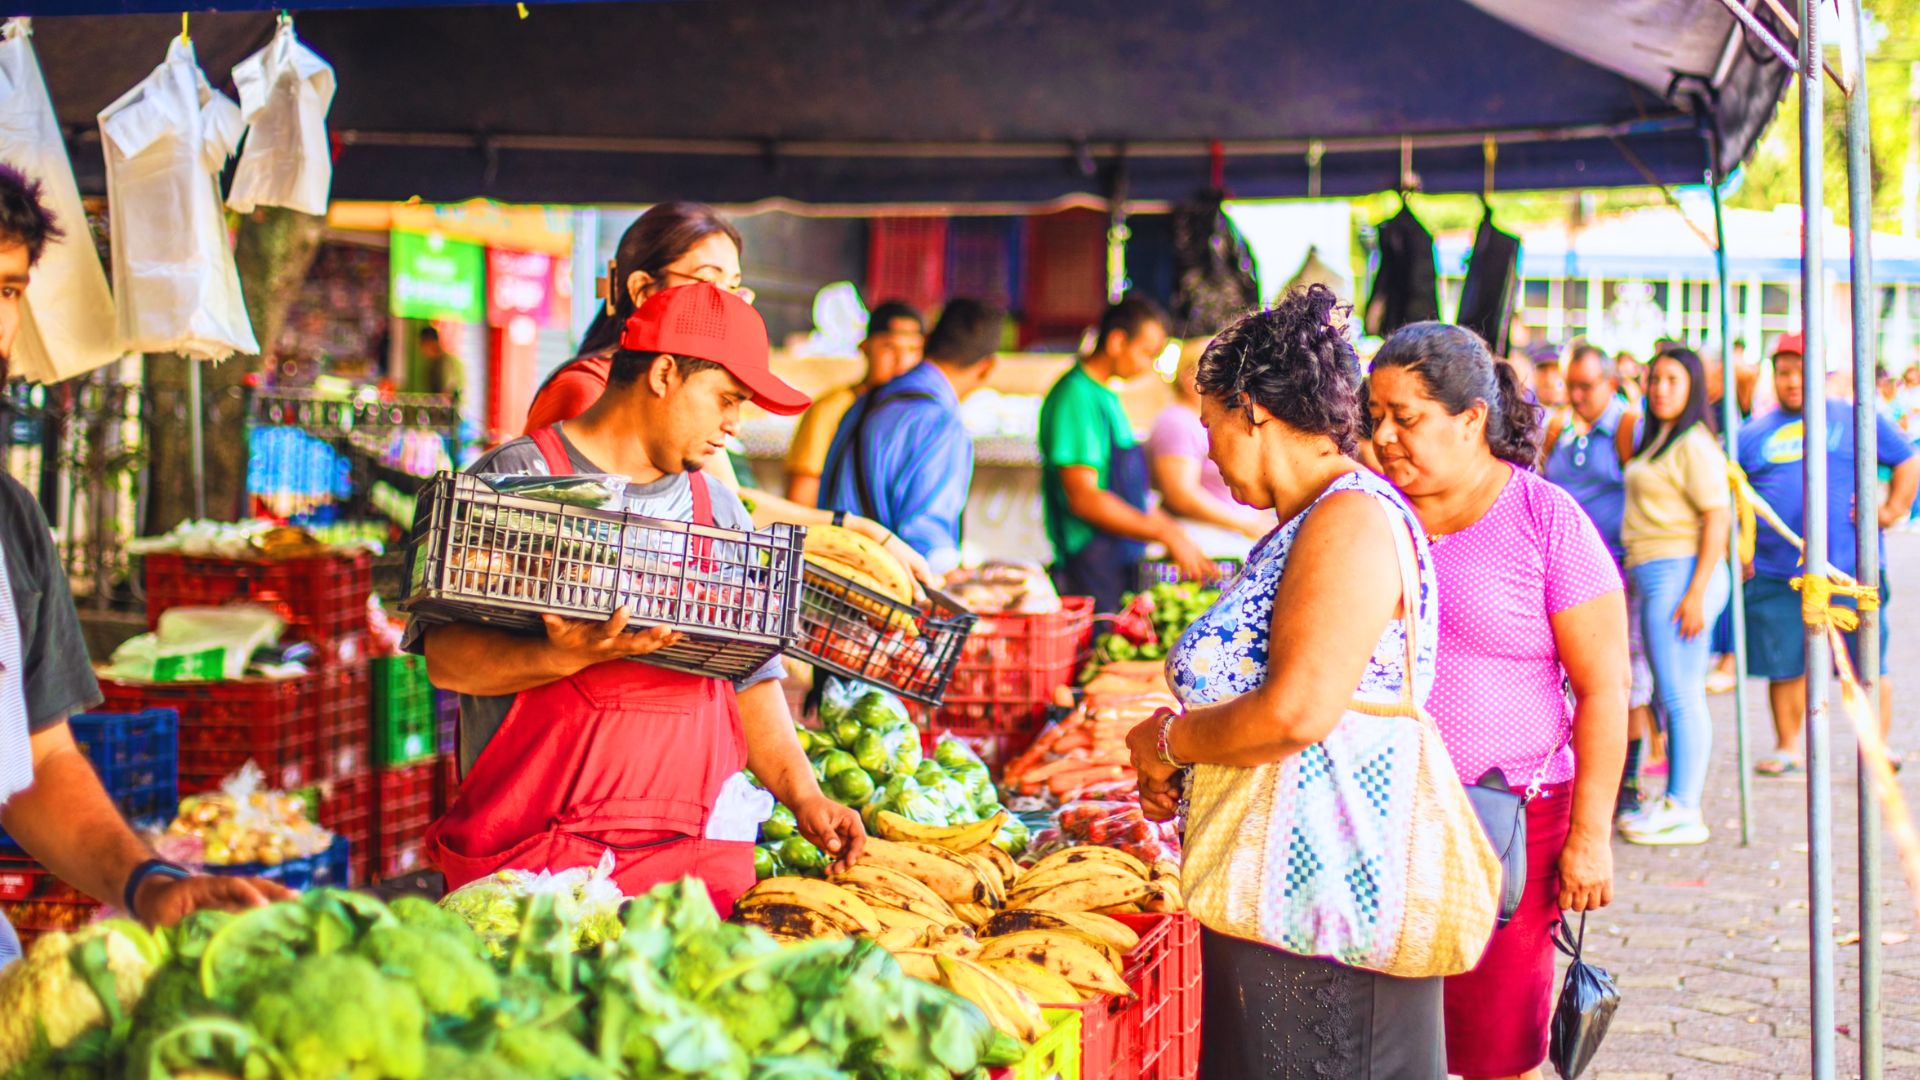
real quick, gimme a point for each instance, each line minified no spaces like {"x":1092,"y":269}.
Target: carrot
{"x":1073,"y":780}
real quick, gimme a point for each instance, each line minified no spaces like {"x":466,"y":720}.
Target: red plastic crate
{"x":907,"y":260}
{"x":323,"y":599}
{"x":1007,"y":674}
{"x":36,"y":902}
{"x":344,"y":734}
{"x":346,"y":808}
{"x":1156,"y":1034}
{"x":403,"y":809}
{"x":446,"y":782}
{"x":273,"y":722}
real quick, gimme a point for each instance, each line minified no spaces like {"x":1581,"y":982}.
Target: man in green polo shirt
{"x":1093,"y":472}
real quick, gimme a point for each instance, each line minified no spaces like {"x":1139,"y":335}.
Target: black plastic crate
{"x":851,"y":630}
{"x":1161,"y":572}
{"x":506,"y":560}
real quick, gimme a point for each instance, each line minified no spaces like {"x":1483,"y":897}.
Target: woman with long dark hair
{"x":1675,"y":533}
{"x":673,"y":243}
{"x":1531,"y":605}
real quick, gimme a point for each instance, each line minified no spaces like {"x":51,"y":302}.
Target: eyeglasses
{"x":740,"y":291}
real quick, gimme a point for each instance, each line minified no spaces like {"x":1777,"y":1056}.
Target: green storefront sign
{"x":437,"y":278}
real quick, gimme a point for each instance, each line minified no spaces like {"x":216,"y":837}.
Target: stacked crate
{"x":308,"y":731}
{"x":405,"y":759}
{"x":137,"y":758}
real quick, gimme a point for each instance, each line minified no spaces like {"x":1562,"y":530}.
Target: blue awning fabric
{"x":858,"y":102}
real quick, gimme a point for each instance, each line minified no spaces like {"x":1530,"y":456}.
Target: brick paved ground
{"x":1710,"y":944}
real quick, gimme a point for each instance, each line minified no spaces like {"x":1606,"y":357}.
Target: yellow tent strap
{"x":1743,"y":496}
{"x":1817,"y":606}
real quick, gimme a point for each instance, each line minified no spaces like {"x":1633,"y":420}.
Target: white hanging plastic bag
{"x":285,"y":92}
{"x":174,"y":278}
{"x":67,"y":322}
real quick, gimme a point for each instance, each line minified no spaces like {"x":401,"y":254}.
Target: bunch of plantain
{"x":855,"y":558}
{"x":793,"y":908}
{"x":1097,"y":879}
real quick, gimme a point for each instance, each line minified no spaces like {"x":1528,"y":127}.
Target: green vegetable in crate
{"x":336,"y":1015}
{"x":448,"y":969}
{"x":766,"y":863}
{"x":904,"y":740}
{"x":845,"y":731}
{"x":798,"y":854}
{"x":873,"y":753}
{"x":69,"y":984}
{"x":834,"y":762}
{"x":878,"y":709}
{"x":1014,"y":837}
{"x":781,"y":825}
{"x":851,"y":787}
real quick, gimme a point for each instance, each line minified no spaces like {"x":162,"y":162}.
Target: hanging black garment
{"x":1213,"y":268}
{"x":1493,"y":276}
{"x":1405,"y":287}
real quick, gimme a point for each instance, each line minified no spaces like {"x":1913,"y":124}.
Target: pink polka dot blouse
{"x":1500,"y":694}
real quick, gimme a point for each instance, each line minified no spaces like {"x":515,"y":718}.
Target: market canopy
{"x":855,"y":102}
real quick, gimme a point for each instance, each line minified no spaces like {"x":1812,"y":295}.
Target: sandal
{"x":1777,"y":765}
{"x":1721,"y":682}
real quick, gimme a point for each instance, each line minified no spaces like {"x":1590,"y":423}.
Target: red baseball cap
{"x":1791,"y":343}
{"x":705,"y":322}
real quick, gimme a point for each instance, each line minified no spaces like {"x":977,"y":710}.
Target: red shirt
{"x":570,"y":392}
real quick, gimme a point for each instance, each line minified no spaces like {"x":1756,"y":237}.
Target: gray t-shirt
{"x":669,"y":498}
{"x":59,"y":676}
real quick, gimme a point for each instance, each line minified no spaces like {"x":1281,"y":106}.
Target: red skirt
{"x":1497,"y":1014}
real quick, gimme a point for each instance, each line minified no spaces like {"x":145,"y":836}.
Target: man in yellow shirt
{"x":895,"y":338}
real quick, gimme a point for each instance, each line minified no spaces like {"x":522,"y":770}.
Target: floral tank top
{"x":1225,"y":653}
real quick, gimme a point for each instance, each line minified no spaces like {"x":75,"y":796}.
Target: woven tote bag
{"x":1362,"y":848}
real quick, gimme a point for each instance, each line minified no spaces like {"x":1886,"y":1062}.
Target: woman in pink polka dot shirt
{"x":1532,"y":669}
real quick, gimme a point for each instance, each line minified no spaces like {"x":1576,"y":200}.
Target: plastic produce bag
{"x":196,"y":643}
{"x":1114,"y":824}
{"x":166,"y":142}
{"x":594,"y":491}
{"x":1588,"y":999}
{"x":244,"y":822}
{"x":285,"y":92}
{"x":67,"y":322}
{"x":586,"y":900}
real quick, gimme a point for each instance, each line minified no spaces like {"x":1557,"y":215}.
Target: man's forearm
{"x":68,"y":823}
{"x":773,"y":750}
{"x":484,"y":662}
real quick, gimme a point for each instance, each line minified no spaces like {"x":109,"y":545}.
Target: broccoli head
{"x":445,"y":967}
{"x":549,"y":1053}
{"x":336,"y":1017}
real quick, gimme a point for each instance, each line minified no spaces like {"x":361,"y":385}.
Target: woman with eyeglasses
{"x":671,"y":245}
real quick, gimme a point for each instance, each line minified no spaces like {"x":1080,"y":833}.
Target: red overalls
{"x":623,"y":756}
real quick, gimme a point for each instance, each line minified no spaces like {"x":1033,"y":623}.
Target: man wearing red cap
{"x":1772,"y":454}
{"x":568,"y":750}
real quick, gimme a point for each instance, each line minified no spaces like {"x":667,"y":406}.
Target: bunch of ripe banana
{"x":853,"y":557}
{"x":956,"y":911}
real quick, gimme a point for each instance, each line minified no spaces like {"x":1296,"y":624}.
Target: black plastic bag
{"x":1588,"y":999}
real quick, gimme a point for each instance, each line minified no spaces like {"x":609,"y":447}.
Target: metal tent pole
{"x":1867,"y":536}
{"x":1730,"y":428}
{"x":196,"y":436}
{"x":1820,"y":946}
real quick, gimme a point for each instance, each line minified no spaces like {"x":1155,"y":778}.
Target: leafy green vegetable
{"x":336,"y":1015}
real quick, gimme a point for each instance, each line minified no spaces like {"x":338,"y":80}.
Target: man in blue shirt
{"x":902,"y":456}
{"x":1772,"y":454}
{"x":1588,"y":442}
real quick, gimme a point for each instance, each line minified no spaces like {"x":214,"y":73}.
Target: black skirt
{"x":1271,"y":1015}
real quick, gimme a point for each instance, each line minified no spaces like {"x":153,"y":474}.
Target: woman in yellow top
{"x":1675,"y":533}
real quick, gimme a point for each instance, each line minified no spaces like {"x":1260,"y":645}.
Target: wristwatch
{"x":144,"y":871}
{"x":840,"y":519}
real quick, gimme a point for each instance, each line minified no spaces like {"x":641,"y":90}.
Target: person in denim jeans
{"x":1675,"y":532}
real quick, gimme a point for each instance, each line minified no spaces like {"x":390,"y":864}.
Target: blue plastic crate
{"x":329,"y":868}
{"x":137,"y":757}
